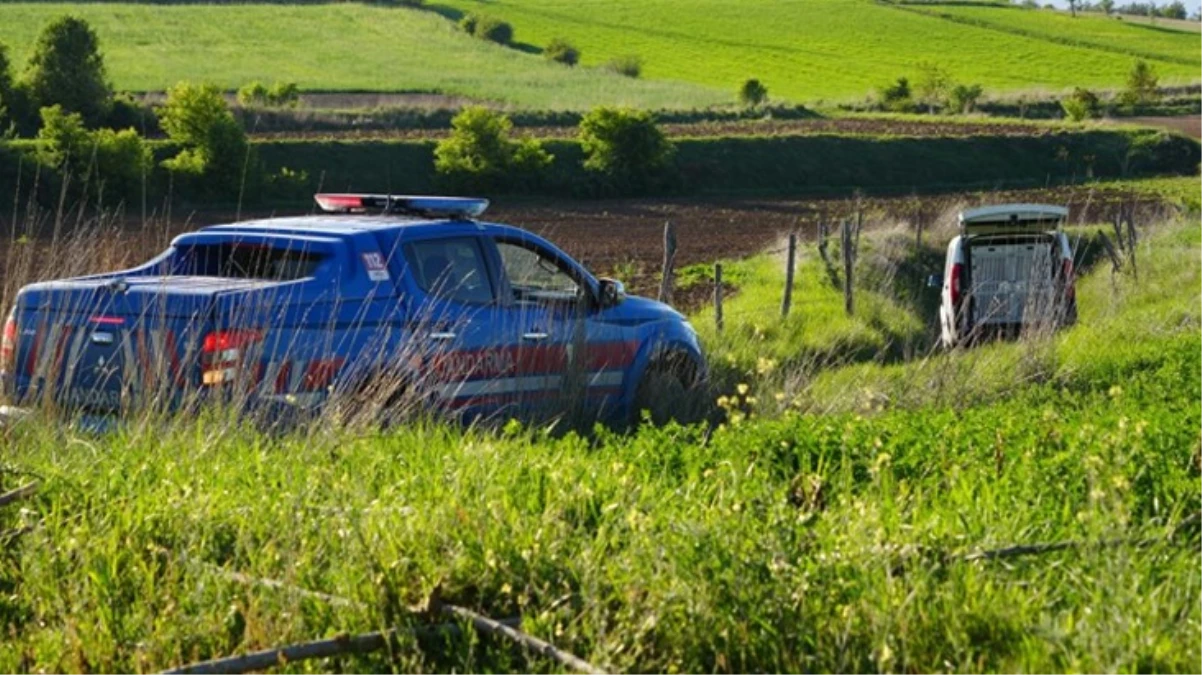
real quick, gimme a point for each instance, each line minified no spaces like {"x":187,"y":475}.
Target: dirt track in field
{"x":860,"y":126}
{"x":1190,"y":125}
{"x":623,"y":238}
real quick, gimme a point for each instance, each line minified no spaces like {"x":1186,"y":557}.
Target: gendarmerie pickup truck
{"x":482,"y":318}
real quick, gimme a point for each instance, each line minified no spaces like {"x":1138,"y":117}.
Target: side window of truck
{"x":451,"y":269}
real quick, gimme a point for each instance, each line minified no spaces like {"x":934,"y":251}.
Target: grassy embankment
{"x":787,"y":540}
{"x":694,"y":53}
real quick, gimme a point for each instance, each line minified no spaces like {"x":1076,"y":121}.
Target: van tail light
{"x":8,"y":344}
{"x":957,"y":283}
{"x":1070,"y":282}
{"x":223,"y":354}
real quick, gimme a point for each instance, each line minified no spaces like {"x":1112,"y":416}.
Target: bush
{"x":628,"y":66}
{"x":214,"y":155}
{"x":66,"y":69}
{"x":125,"y":112}
{"x":1082,"y":104}
{"x":487,"y":28}
{"x":562,"y":51}
{"x":896,"y":97}
{"x":933,"y":85}
{"x":625,"y":146}
{"x":753,"y":93}
{"x":480,"y":155}
{"x":283,"y":95}
{"x":111,"y":163}
{"x":252,"y":94}
{"x":963,"y":97}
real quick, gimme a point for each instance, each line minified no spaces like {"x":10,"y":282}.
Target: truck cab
{"x":1009,"y":269}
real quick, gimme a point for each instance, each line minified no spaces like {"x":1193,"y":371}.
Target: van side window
{"x":451,"y":269}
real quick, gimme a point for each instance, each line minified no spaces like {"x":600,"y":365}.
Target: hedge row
{"x":828,"y":164}
{"x":786,"y":164}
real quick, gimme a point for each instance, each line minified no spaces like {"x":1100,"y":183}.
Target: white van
{"x":1009,"y":269}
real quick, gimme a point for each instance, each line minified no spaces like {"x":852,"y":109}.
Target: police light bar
{"x":427,"y":207}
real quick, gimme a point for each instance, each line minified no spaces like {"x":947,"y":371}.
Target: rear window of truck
{"x":247,"y":261}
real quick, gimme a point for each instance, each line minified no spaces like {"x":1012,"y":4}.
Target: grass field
{"x":342,"y":46}
{"x":694,"y":53}
{"x":789,"y":540}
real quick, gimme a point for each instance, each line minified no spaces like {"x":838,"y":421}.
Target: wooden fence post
{"x":822,"y":234}
{"x":787,"y":301}
{"x":849,"y":263}
{"x":718,"y":296}
{"x":668,"y":282}
{"x":1132,"y":240}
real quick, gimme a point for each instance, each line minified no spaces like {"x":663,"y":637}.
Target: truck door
{"x":455,"y":325}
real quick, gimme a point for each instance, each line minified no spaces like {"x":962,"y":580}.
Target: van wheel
{"x":669,"y":391}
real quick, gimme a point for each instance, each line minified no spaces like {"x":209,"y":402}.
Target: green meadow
{"x":694,"y":53}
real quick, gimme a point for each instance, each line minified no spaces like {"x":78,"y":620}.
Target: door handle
{"x":442,"y":335}
{"x":535,"y":335}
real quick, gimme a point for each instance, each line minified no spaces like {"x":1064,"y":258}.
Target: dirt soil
{"x":860,"y":126}
{"x":1190,"y":125}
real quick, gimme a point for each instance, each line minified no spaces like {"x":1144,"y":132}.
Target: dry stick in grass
{"x":318,"y":649}
{"x":479,"y":621}
{"x":668,"y":282}
{"x":18,"y":494}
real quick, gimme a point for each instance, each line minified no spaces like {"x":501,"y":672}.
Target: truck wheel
{"x":669,"y":391}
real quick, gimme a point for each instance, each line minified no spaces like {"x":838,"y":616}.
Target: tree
{"x":66,"y":69}
{"x":1142,"y":86}
{"x":1107,"y":6}
{"x":479,"y":153}
{"x":625,"y":146}
{"x":753,"y":93}
{"x":112,"y":163}
{"x":933,"y":85}
{"x":213,"y":147}
{"x":1174,"y":10}
{"x":1072,"y":7}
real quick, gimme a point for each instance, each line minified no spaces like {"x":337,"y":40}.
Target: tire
{"x":669,"y":391}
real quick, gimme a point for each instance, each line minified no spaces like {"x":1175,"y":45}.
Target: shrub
{"x":283,"y":94}
{"x":562,"y":51}
{"x":112,"y":163}
{"x":753,"y":93}
{"x":628,"y":66}
{"x":66,"y":69}
{"x":626,"y":146}
{"x":468,"y":23}
{"x":897,"y":96}
{"x":252,"y":94}
{"x":126,"y":112}
{"x":963,"y":97}
{"x":1142,"y":83}
{"x":214,"y":152}
{"x":1082,"y":104}
{"x":479,"y":153}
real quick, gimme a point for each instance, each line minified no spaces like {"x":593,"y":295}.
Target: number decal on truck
{"x":377,"y":270}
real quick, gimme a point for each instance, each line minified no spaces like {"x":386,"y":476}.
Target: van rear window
{"x":247,"y":261}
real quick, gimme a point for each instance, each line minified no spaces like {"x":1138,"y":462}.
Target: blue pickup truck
{"x":409,"y":295}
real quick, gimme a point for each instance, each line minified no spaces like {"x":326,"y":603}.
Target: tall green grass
{"x":784,"y":542}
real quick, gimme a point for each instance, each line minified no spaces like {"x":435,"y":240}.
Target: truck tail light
{"x":8,"y":344}
{"x":223,"y":354}
{"x":957,"y":283}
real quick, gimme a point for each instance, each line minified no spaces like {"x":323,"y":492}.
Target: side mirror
{"x":613,"y":292}
{"x":935,"y":281}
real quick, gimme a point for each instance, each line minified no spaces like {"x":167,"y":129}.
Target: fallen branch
{"x":480,"y":622}
{"x":18,"y":494}
{"x":319,"y":649}
{"x":493,"y":627}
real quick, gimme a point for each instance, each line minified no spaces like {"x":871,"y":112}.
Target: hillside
{"x":694,"y":53}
